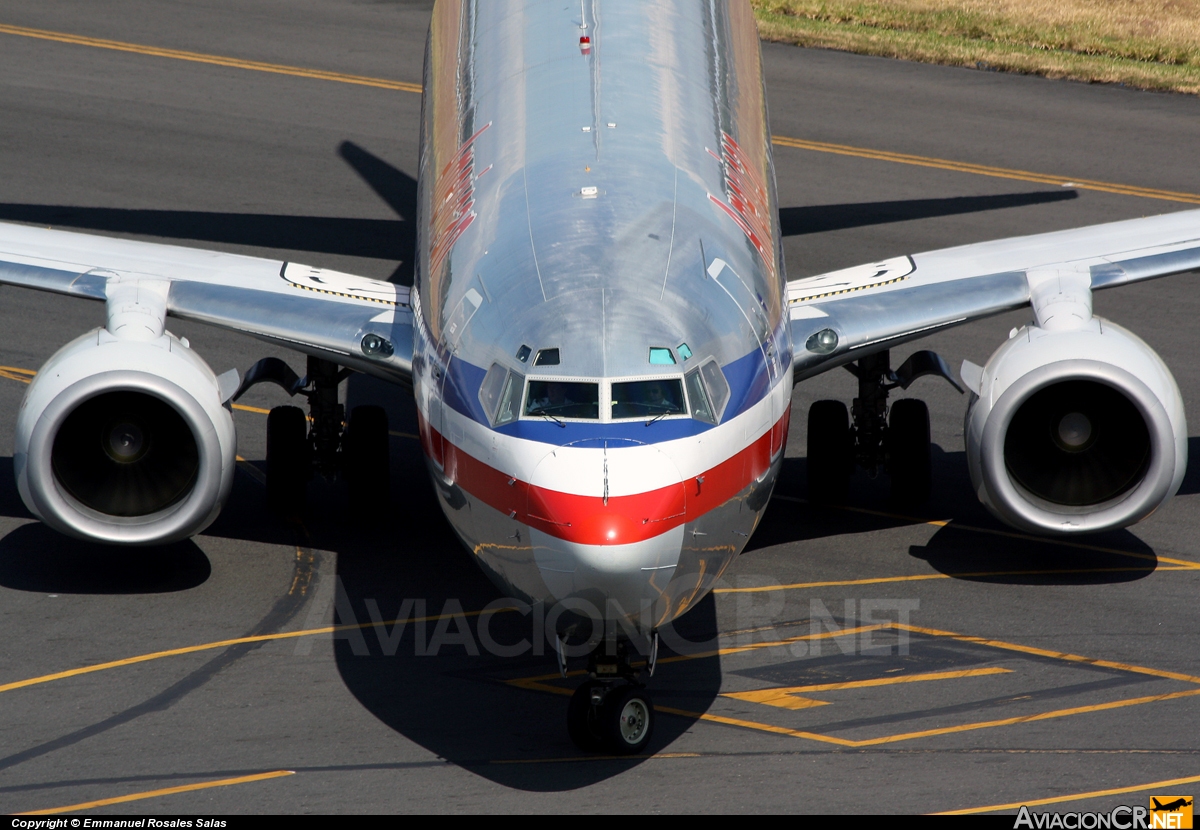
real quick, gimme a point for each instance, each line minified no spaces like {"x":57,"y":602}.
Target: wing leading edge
{"x":322,"y":313}
{"x":880,"y":305}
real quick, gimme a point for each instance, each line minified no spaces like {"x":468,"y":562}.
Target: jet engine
{"x":126,"y":440}
{"x":1074,"y":428}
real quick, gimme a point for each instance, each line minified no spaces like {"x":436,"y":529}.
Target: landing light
{"x":823,"y":342}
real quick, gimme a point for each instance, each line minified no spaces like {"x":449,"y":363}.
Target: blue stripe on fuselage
{"x":748,"y":377}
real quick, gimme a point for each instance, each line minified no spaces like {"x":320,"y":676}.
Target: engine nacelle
{"x":1075,"y":431}
{"x":125,"y":441}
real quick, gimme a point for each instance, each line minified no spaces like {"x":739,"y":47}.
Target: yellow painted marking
{"x":761,"y":727}
{"x":258,"y":638}
{"x":789,"y":697}
{"x":1057,"y":655}
{"x":216,"y":60}
{"x":576,"y":758}
{"x":779,"y":140}
{"x":791,"y":586}
{"x":1008,"y":534}
{"x":1016,"y":805}
{"x":17,"y":370}
{"x":186,"y":788}
{"x":26,"y":375}
{"x":985,"y":170}
{"x":1057,"y":713}
{"x":252,"y":471}
{"x":535,"y":683}
{"x":781,"y":698}
{"x":908,"y":736}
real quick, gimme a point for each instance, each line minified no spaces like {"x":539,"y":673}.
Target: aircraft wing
{"x":318,"y":312}
{"x":883,"y":304}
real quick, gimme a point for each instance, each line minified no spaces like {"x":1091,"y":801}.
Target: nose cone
{"x":607,"y":527}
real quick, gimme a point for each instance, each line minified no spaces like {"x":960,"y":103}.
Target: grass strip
{"x":1023,"y":36}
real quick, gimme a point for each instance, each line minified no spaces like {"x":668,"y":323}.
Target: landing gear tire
{"x":289,"y":460}
{"x":908,"y":452}
{"x":830,"y":452}
{"x":583,"y":720}
{"x":627,"y":717}
{"x":365,"y":460}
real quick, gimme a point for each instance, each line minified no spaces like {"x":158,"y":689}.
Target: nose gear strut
{"x":611,"y":711}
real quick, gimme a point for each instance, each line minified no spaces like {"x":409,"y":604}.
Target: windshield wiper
{"x":667,"y":409}
{"x":546,"y":414}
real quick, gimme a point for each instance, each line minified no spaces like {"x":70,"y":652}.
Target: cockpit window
{"x":698,"y":397}
{"x":563,"y":399}
{"x":647,"y":398}
{"x":490,"y":389}
{"x":718,"y":387}
{"x":510,"y":399}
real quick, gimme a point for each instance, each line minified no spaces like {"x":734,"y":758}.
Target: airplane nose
{"x":607,"y":524}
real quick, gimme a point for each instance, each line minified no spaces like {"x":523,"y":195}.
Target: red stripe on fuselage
{"x":623,"y":519}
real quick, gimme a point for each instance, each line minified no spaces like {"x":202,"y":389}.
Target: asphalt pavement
{"x":854,"y":659}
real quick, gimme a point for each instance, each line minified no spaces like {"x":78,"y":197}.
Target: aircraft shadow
{"x":1191,"y":479}
{"x":974,"y":546}
{"x":798,"y":221}
{"x":460,"y":705}
{"x":35,"y":558}
{"x":387,"y":239}
{"x":377,"y":238}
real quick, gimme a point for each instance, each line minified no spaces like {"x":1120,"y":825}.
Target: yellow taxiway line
{"x":538,"y":684}
{"x":1060,"y":799}
{"x":789,"y":697}
{"x":216,"y":60}
{"x":778,"y":140}
{"x":986,"y":170}
{"x":257,"y":638}
{"x":26,"y":376}
{"x":186,"y":788}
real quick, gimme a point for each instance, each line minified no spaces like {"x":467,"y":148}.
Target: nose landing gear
{"x":611,"y":711}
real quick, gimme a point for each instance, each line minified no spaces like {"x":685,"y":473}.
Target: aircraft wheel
{"x":627,"y":717}
{"x":365,"y":453}
{"x":908,"y":452}
{"x":583,"y":720}
{"x":289,"y":460}
{"x":830,"y":451}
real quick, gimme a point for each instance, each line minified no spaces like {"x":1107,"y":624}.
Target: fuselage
{"x":602,"y":364}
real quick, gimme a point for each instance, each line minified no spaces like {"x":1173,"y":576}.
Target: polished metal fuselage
{"x":596,"y":178}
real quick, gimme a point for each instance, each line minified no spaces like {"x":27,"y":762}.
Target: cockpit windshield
{"x":563,"y":399}
{"x":647,"y":398}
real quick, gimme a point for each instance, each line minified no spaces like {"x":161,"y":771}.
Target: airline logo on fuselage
{"x":453,"y":208}
{"x":747,"y":202}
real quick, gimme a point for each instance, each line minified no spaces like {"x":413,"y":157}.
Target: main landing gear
{"x":322,"y":442}
{"x":896,"y":440}
{"x":611,"y":711}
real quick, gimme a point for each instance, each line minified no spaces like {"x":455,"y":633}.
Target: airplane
{"x":1170,"y":806}
{"x":601,"y":342}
